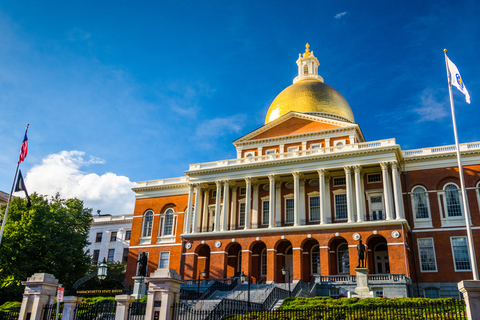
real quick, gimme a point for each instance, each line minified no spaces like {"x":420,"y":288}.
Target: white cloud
{"x":61,"y":173}
{"x":430,"y":109}
{"x":340,"y":15}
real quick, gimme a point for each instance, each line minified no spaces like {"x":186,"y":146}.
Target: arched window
{"x":305,"y":69}
{"x":168,"y":222}
{"x":263,"y":262}
{"x":420,"y":203}
{"x":343,"y":259}
{"x":453,"y":208}
{"x":316,"y":259}
{"x":147,"y":223}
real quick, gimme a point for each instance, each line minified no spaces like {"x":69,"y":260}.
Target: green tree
{"x":49,"y":237}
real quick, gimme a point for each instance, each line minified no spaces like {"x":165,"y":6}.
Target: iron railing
{"x":99,"y":311}
{"x":50,"y":310}
{"x":10,"y":314}
{"x":137,"y":310}
{"x":434,"y":309}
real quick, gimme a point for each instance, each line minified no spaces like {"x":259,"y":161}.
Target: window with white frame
{"x":241,"y":217}
{"x":426,"y":253}
{"x":250,"y":154}
{"x":374,"y":178}
{"x":111,"y":255}
{"x":265,"y":211}
{"x":168,"y":222}
{"x":452,"y":199}
{"x":147,"y":223}
{"x":339,"y":181}
{"x":292,"y":149}
{"x":289,"y":210}
{"x":164,"y":260}
{"x":316,"y":146}
{"x":271,"y":152}
{"x":243,"y":191}
{"x":264,"y":262}
{"x":341,"y":212}
{"x":420,"y":203}
{"x":376,"y":208}
{"x":314,"y":206}
{"x":316,"y":259}
{"x":343,"y":259}
{"x":461,"y":257}
{"x":431,"y":293}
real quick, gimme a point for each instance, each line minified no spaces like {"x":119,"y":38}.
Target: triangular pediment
{"x":293,"y":124}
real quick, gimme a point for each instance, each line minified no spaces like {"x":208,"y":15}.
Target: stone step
{"x":277,"y":304}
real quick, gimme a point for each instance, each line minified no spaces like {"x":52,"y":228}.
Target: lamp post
{"x":204,"y":275}
{"x":242,"y":278}
{"x":102,"y":270}
{"x":284,"y":271}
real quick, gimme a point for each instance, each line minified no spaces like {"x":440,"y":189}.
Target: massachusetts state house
{"x":302,"y":191}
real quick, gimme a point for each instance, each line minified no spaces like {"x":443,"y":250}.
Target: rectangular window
{"x":111,"y":255}
{"x":289,"y":208}
{"x":461,"y":258}
{"x":426,"y":252}
{"x":214,"y":194}
{"x":241,"y":218}
{"x":271,"y":151}
{"x":125,"y":255}
{"x":128,"y":234}
{"x":315,"y":208}
{"x":341,"y":207}
{"x":265,"y":212}
{"x":113,"y":236}
{"x":374,"y":177}
{"x":164,"y":260}
{"x":98,"y":238}
{"x":243,"y":191}
{"x":316,"y":146}
{"x":96,"y":254}
{"x":341,"y":181}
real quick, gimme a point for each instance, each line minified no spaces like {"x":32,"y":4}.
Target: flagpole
{"x":462,"y":182}
{"x":10,"y":196}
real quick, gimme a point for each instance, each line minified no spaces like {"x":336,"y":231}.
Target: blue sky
{"x":123,"y":91}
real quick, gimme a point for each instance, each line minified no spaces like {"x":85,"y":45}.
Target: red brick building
{"x":304,"y":188}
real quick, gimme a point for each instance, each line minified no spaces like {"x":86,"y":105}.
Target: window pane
{"x":96,"y":253}
{"x":453,"y":201}
{"x":341,"y":206}
{"x":128,"y":234}
{"x":265,"y":211}
{"x":264,"y":262}
{"x":164,"y":259}
{"x":420,"y":201}
{"x":289,"y":208}
{"x":125,"y":255}
{"x":147,"y":224}
{"x":111,"y":255}
{"x":315,"y":208}
{"x":98,"y":238}
{"x":460,"y":254}
{"x":343,"y":259}
{"x":168,"y":225}
{"x":241,"y":222}
{"x":113,"y":236}
{"x":316,"y":260}
{"x":426,"y":252}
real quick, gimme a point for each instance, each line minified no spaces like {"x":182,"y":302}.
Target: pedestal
{"x":471,"y":293}
{"x":163,"y":292}
{"x":362,"y":290}
{"x":40,"y":290}
{"x":139,"y":288}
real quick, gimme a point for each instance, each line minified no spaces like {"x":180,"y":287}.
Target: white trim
{"x":396,"y":244}
{"x":434,"y":255}
{"x":445,"y":229}
{"x":421,"y":222}
{"x":453,"y":255}
{"x":212,"y":252}
{"x":155,"y":246}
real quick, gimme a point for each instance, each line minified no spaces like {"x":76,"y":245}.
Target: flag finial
{"x":445,"y":50}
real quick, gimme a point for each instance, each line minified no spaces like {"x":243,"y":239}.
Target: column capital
{"x":384,"y":165}
{"x":278,"y":183}
{"x":248,"y":180}
{"x":191,"y":186}
{"x":271,"y":177}
{"x":297,"y":175}
{"x":205,"y":186}
{"x":348,"y":169}
{"x":234,"y":187}
{"x":219,"y":183}
{"x":226,"y":183}
{"x":322,"y":172}
{"x":395,"y":165}
{"x":357,"y":168}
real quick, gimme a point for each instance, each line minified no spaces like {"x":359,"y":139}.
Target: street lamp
{"x":204,"y":275}
{"x":284,"y":271}
{"x":242,"y":278}
{"x":102,"y":270}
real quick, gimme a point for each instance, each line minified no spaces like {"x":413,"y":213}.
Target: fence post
{"x":163,"y":292}
{"x":123,"y":303}
{"x":69,"y":304}
{"x":471,"y":293}
{"x":40,"y":290}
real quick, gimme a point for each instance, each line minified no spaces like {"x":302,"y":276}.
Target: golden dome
{"x":311,"y":96}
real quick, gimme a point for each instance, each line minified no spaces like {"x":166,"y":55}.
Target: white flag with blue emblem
{"x":457,"y":79}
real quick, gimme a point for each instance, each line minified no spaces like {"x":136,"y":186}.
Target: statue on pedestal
{"x":142,"y":265}
{"x":362,"y":254}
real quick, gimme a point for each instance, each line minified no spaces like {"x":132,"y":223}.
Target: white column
{"x":397,"y":191}
{"x":188,"y":216}
{"x":301,"y":200}
{"x":196,"y":212}
{"x":321,"y":190}
{"x":386,"y":190}
{"x":233,"y":215}
{"x":359,"y":194}
{"x":296,"y":197}
{"x":271,"y":205}
{"x":348,"y":178}
{"x":328,"y":205}
{"x":255,"y":206}
{"x":278,"y":203}
{"x":217,"y":205}
{"x":248,"y":197}
{"x":205,"y":213}
{"x":226,"y":191}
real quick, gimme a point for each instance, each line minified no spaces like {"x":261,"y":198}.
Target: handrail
{"x":220,"y":286}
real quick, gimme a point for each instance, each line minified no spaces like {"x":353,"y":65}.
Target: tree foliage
{"x":49,"y":237}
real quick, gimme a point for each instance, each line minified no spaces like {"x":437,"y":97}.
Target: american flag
{"x":23,"y":149}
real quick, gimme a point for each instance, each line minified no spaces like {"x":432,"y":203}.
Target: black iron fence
{"x":50,"y":311}
{"x":136,"y":311}
{"x":434,"y":309}
{"x":99,"y":311}
{"x":10,"y":314}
